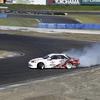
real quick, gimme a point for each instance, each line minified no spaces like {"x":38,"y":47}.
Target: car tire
{"x":69,"y":65}
{"x":40,"y":65}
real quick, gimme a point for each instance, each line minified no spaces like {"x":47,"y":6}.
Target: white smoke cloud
{"x":88,"y":56}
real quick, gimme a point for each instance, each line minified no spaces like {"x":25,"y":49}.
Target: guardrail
{"x":68,"y":26}
{"x":2,"y":15}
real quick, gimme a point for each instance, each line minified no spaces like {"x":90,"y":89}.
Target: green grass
{"x":25,"y":22}
{"x":53,"y":7}
{"x":91,"y":19}
{"x":30,"y":22}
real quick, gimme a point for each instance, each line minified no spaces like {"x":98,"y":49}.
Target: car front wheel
{"x":40,"y":65}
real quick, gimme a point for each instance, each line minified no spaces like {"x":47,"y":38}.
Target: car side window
{"x":58,"y":57}
{"x":54,"y":57}
{"x":63,"y":57}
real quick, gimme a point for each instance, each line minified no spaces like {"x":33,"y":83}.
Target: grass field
{"x":25,"y":22}
{"x":92,"y":19}
{"x":53,"y":7}
{"x":30,"y":22}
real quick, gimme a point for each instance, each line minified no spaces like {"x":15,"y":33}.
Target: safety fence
{"x":2,"y":15}
{"x":68,"y":26}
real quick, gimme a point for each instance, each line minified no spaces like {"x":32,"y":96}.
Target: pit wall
{"x":68,"y":26}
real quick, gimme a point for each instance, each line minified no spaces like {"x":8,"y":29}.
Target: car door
{"x":63,"y":59}
{"x":55,"y":60}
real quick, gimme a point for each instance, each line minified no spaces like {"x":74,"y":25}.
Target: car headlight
{"x":33,"y":61}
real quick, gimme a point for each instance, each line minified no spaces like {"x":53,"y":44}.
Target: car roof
{"x":52,"y":54}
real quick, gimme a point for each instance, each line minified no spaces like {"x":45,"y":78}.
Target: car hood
{"x":36,"y":59}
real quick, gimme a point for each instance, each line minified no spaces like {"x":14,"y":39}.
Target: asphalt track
{"x":16,"y":69}
{"x":46,"y":18}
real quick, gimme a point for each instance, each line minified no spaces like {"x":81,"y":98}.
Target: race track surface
{"x":47,"y":18}
{"x":16,"y":69}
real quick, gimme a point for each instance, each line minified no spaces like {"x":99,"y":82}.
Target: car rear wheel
{"x":40,"y":65}
{"x":69,"y":66}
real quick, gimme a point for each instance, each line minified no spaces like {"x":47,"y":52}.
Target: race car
{"x":54,"y":60}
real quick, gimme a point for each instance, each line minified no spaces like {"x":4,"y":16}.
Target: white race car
{"x":54,"y":61}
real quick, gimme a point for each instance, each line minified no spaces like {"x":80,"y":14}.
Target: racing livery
{"x":54,"y":61}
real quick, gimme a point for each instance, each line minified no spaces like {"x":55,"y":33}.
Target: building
{"x":2,"y":1}
{"x":35,"y":2}
{"x":9,"y":1}
{"x":44,"y":2}
{"x":38,"y":2}
{"x":51,"y":2}
{"x":90,"y":2}
{"x":65,"y":2}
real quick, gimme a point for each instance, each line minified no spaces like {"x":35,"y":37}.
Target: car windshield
{"x":68,"y":57}
{"x":45,"y":57}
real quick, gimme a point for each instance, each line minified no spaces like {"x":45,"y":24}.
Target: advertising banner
{"x":90,"y":1}
{"x":67,"y":2}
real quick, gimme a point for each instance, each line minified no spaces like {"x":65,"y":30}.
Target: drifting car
{"x":54,"y":61}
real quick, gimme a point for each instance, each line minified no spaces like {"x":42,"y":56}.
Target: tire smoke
{"x":88,"y":56}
